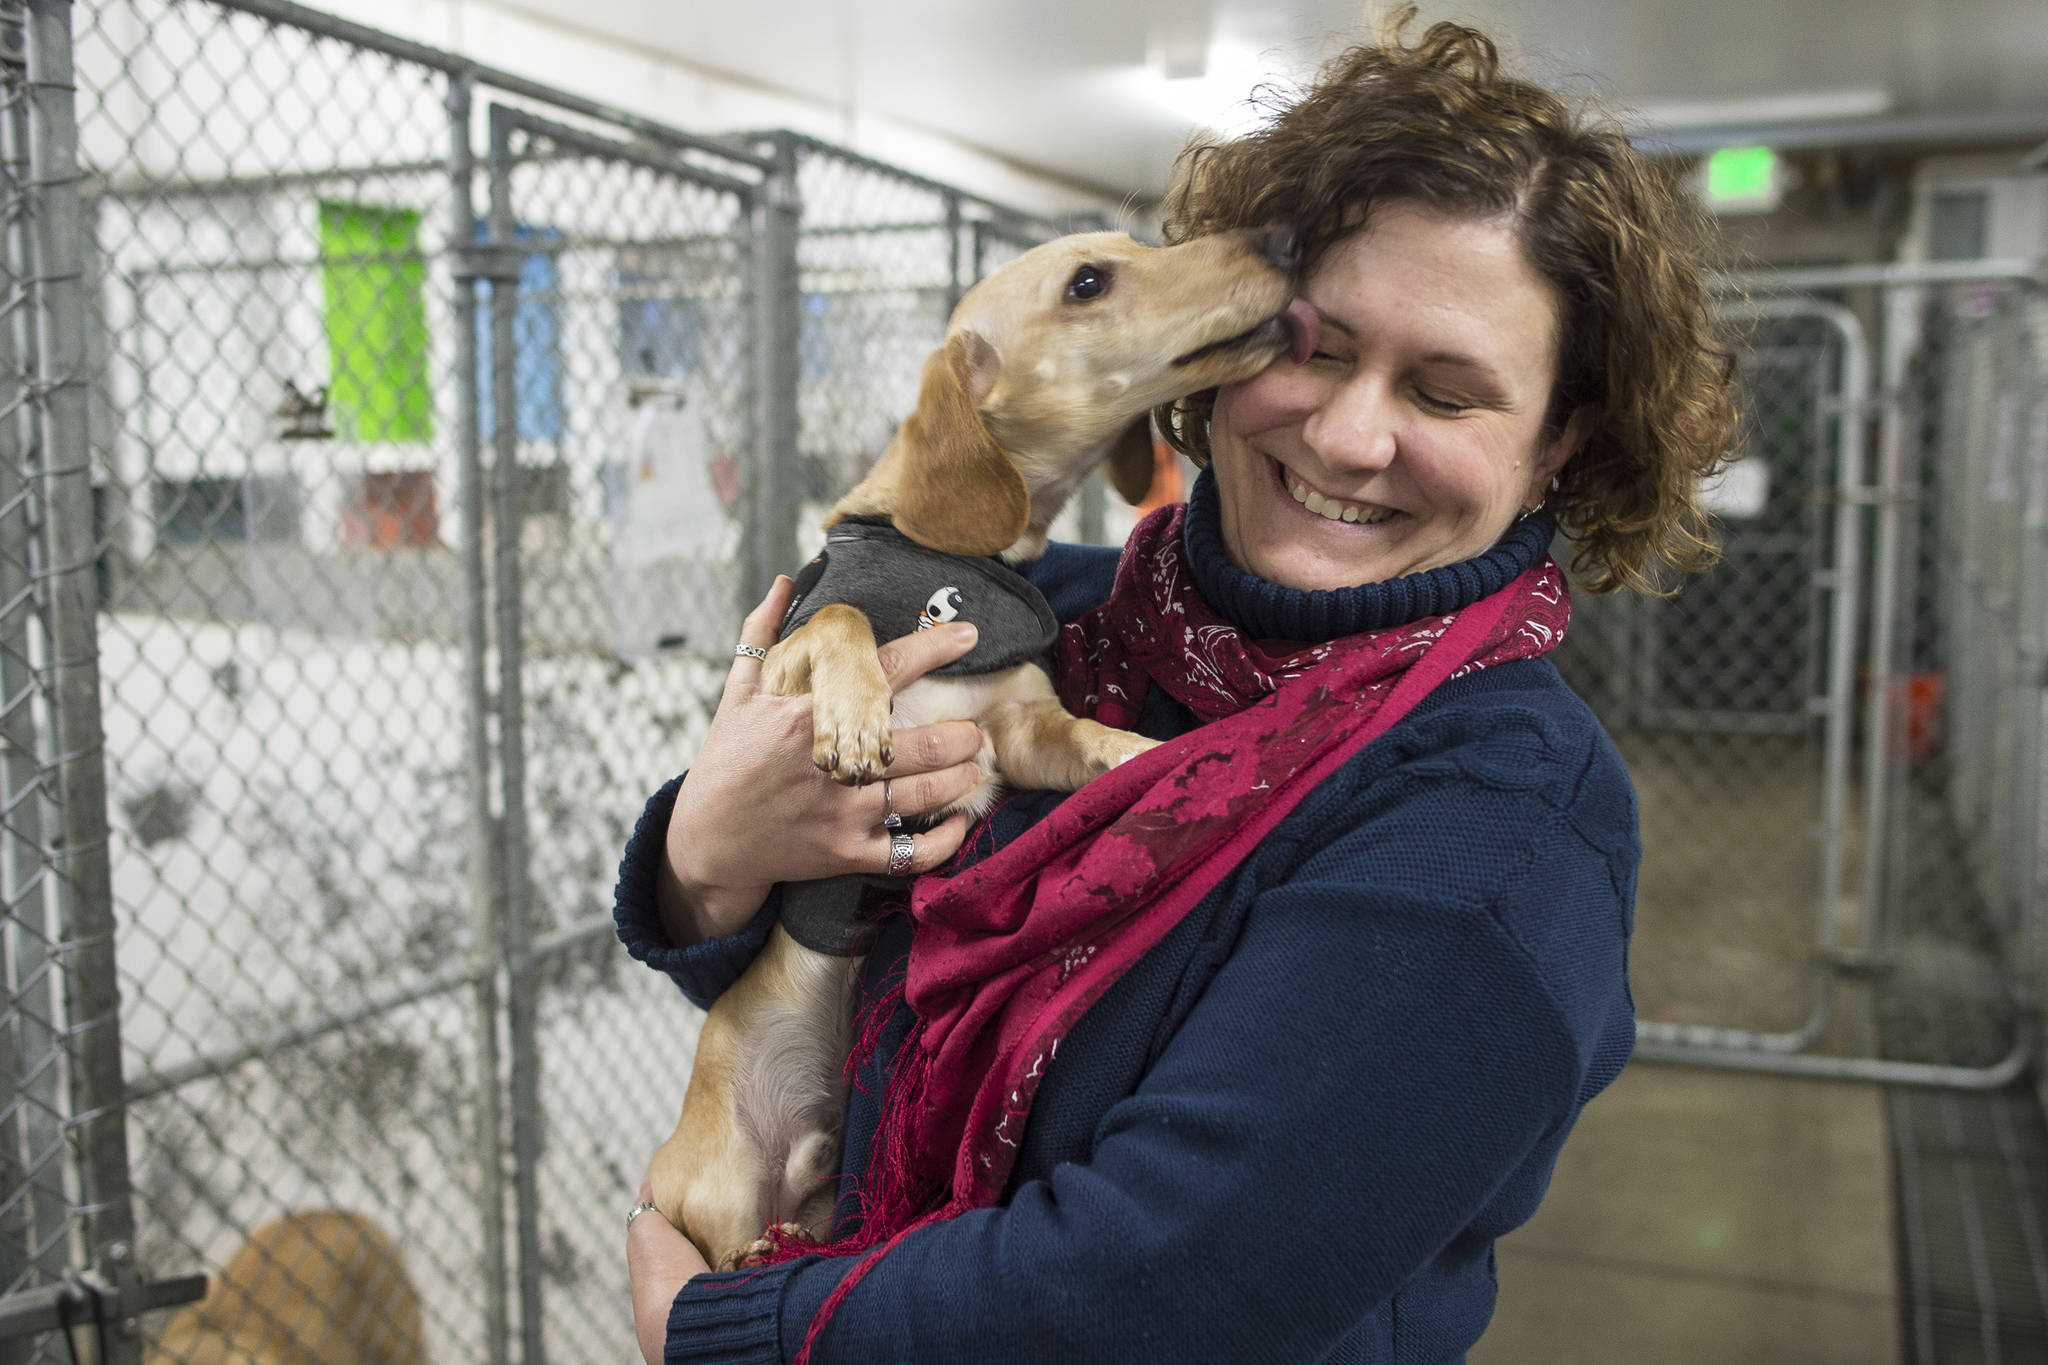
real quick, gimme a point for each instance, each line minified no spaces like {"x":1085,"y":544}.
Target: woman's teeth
{"x":1335,"y":510}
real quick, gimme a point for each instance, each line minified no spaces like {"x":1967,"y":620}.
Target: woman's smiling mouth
{"x":1332,"y":509}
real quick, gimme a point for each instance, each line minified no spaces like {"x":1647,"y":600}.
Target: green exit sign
{"x":1742,"y":180}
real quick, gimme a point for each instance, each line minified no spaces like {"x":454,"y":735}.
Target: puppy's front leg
{"x":833,"y":656}
{"x":1038,"y":743}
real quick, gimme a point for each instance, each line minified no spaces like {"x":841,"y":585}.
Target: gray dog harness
{"x":903,"y":587}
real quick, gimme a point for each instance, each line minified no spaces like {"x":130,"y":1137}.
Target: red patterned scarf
{"x":1007,"y":954}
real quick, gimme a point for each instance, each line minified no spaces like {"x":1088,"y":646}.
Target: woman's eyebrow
{"x":1478,"y":378}
{"x":1333,"y":324}
{"x":1462,"y":361}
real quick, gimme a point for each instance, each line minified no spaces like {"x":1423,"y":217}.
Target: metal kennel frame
{"x":339,"y":646}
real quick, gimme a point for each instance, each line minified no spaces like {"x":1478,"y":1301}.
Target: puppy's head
{"x":1051,"y":366}
{"x":1090,"y":332}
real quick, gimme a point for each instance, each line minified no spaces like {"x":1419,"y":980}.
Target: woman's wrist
{"x":696,"y":902}
{"x":693,"y":910}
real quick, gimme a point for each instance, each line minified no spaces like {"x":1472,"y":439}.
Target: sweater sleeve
{"x":702,"y":970}
{"x":1074,"y":578}
{"x":1383,"y":1047}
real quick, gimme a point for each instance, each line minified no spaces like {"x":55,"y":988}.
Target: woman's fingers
{"x":927,"y":748}
{"x":753,"y":772}
{"x":928,"y":848}
{"x":927,"y":793}
{"x":659,"y":1262}
{"x":757,"y":633}
{"x":910,"y":657}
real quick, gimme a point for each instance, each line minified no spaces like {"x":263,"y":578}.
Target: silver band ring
{"x":901,"y":849}
{"x":890,"y":819}
{"x":642,"y":1207}
{"x":749,"y":652}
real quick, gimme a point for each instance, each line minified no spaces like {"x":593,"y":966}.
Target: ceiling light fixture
{"x":1810,"y":106}
{"x":1219,"y":99}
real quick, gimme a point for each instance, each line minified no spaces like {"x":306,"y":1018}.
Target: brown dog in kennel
{"x":315,"y":1287}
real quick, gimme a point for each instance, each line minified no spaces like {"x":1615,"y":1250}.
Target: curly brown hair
{"x":1438,"y":124}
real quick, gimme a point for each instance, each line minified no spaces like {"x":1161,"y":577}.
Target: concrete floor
{"x":1703,"y":1217}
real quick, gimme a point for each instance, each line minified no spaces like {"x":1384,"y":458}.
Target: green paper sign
{"x":1741,"y":175}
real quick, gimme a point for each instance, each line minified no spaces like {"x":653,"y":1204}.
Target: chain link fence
{"x":65,"y":1155}
{"x":388,"y":450}
{"x":1956,"y":848}
{"x":1836,"y":733}
{"x":425,"y":434}
{"x":1957,"y":853}
{"x":1730,"y":710}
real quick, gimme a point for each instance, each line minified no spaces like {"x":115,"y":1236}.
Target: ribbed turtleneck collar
{"x":1268,"y":611}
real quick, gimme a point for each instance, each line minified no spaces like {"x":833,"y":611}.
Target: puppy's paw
{"x":1114,"y":747}
{"x":850,"y":738}
{"x":758,"y":1251}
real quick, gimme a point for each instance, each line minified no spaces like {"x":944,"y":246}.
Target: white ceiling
{"x":1063,"y":87}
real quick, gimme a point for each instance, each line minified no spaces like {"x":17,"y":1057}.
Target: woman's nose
{"x":1354,"y":427}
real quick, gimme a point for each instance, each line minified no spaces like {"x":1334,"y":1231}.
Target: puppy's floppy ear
{"x":956,"y":490}
{"x":1131,"y":462}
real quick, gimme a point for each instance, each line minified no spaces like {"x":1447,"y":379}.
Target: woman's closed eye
{"x":1438,"y":403}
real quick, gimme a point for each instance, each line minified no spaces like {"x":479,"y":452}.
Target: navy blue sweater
{"x":1293,"y":1131}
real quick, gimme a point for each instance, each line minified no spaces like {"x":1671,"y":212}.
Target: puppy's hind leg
{"x":801,"y":1209}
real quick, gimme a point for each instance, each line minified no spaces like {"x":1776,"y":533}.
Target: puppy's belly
{"x":930,"y":700}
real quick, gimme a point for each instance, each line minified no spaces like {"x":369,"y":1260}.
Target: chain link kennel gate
{"x":367,"y":758}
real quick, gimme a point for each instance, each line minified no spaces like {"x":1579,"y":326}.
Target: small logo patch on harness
{"x":943,"y":607}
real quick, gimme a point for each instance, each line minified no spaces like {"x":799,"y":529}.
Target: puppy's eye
{"x":1089,"y":282}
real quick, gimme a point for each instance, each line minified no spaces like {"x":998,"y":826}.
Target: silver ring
{"x":901,"y":848}
{"x":749,"y":652}
{"x":642,"y":1207}
{"x":890,"y":819}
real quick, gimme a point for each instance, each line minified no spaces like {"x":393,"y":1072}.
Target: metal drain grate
{"x":1970,"y":1167}
{"x":1972,"y":1197}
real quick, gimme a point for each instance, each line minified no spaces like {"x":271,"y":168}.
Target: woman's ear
{"x":1556,"y":452}
{"x":1131,"y":462}
{"x":956,"y":491}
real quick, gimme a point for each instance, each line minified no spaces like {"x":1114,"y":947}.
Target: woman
{"x":1356,"y":957}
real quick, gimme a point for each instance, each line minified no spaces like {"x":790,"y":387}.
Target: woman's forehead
{"x":1447,"y":281}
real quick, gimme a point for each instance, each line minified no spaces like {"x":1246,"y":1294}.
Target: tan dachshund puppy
{"x":1051,"y":367}
{"x":316,"y":1287}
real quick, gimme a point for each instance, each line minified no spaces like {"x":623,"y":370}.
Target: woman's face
{"x":1413,"y":436}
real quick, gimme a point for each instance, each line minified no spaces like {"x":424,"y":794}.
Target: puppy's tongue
{"x":1303,"y":330}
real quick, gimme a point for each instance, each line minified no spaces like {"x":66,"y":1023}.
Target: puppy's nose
{"x":1279,"y":247}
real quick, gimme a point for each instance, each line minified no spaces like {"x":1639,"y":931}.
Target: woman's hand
{"x":659,"y":1261}
{"x":755,"y":811}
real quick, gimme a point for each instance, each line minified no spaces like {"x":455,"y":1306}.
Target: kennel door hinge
{"x":85,"y":1300}
{"x":779,"y":193}
{"x":488,"y":261}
